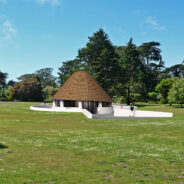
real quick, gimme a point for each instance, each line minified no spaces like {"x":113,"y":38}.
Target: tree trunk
{"x":128,"y":97}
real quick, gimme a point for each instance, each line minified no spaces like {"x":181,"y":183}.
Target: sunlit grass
{"x":48,"y":147}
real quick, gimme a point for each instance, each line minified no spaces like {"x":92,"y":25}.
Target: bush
{"x":6,"y":94}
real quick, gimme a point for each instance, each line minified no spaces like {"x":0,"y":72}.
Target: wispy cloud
{"x":3,"y":1}
{"x":52,"y":2}
{"x":7,"y":30}
{"x":154,"y":24}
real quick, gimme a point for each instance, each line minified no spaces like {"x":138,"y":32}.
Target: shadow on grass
{"x":178,"y":107}
{"x":3,"y":146}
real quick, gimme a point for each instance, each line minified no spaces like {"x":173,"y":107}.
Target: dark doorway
{"x":90,"y":106}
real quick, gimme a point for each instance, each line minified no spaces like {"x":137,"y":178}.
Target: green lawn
{"x":47,"y":147}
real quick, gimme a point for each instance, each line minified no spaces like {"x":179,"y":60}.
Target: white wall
{"x":87,"y":113}
{"x":105,"y":110}
{"x":127,"y":107}
{"x":56,"y":109}
{"x":153,"y":114}
{"x":138,"y":113}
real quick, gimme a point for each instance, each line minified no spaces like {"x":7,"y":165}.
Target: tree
{"x":175,"y":71}
{"x":176,"y":93}
{"x":11,"y":83}
{"x":163,"y":88}
{"x":100,"y":59}
{"x":3,"y":77}
{"x":46,"y":77}
{"x":28,"y":91}
{"x":30,"y":77}
{"x":150,"y":52}
{"x":49,"y":91}
{"x":150,"y":56}
{"x":153,"y":96}
{"x":130,"y":65}
{"x":67,"y":69}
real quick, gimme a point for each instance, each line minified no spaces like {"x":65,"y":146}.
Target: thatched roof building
{"x":81,"y":86}
{"x":82,"y":91}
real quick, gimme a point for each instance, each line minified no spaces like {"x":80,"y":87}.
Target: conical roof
{"x":82,"y":86}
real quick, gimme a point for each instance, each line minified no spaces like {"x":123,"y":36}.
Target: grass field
{"x":68,"y":148}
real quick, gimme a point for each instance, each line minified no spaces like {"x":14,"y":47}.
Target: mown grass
{"x":47,"y":147}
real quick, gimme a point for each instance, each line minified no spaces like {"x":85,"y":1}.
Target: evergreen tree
{"x":150,"y":52}
{"x":150,"y":55}
{"x":175,"y":71}
{"x":67,"y":69}
{"x":3,"y":77}
{"x":131,"y":65}
{"x":100,"y":59}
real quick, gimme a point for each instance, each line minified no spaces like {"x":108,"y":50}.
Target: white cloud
{"x":8,"y":30}
{"x":3,"y":1}
{"x":52,"y":2}
{"x":154,"y":24}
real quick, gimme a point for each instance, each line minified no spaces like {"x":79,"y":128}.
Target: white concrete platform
{"x":119,"y":112}
{"x":140,"y":113}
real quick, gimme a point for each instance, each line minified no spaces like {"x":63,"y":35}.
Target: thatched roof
{"x":83,"y":87}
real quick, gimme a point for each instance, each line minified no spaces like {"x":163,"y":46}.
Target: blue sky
{"x":43,"y":33}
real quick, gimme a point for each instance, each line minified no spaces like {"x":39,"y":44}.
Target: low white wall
{"x":127,"y":107}
{"x":105,"y":110}
{"x":122,"y":112}
{"x":153,"y":114}
{"x":87,"y":113}
{"x":139,"y":113}
{"x":55,"y":109}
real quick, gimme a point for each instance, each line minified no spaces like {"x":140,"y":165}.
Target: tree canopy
{"x":3,"y":77}
{"x":176,"y":94}
{"x":164,"y":87}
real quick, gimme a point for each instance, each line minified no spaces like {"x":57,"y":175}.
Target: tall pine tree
{"x":130,"y":71}
{"x":100,"y":59}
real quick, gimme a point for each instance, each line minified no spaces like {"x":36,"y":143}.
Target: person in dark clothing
{"x":131,"y":108}
{"x":132,"y":111}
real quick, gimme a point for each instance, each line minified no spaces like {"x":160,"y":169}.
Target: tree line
{"x":129,"y":73}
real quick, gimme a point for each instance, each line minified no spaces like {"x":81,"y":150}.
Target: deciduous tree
{"x":176,"y":93}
